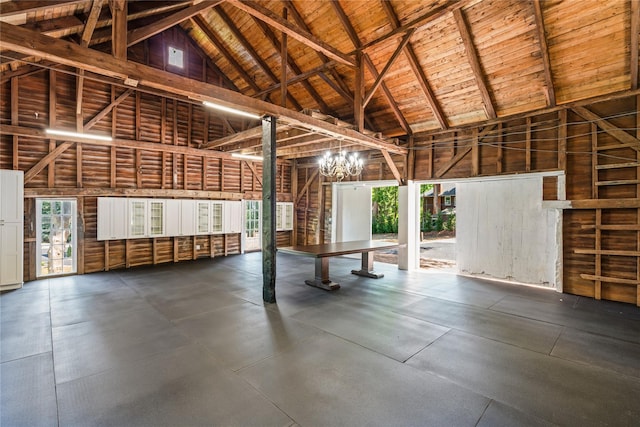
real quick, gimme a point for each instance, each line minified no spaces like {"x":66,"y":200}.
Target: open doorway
{"x":438,"y":226}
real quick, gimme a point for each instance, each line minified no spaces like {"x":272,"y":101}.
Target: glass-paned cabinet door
{"x":156,"y":217}
{"x":137,"y":218}
{"x":279,"y":211}
{"x":203,"y":217}
{"x":288,"y":216}
{"x":217,"y":209}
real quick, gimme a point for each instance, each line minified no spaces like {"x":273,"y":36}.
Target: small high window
{"x":447,"y":200}
{"x":176,"y":57}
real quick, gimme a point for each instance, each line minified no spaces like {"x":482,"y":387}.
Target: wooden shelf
{"x":611,"y":279}
{"x":618,"y":166}
{"x":613,"y":227}
{"x":607,"y":252}
{"x":619,"y":182}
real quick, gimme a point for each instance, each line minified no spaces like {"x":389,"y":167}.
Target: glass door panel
{"x":253,"y":236}
{"x":56,"y":236}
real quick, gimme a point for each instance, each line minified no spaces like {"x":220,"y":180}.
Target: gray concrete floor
{"x":192,"y":344}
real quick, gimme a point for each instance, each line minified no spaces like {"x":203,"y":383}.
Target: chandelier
{"x":340,"y":166}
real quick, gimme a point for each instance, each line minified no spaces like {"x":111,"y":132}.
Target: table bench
{"x":323,"y":252}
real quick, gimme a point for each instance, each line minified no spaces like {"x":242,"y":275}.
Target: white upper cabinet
{"x":284,"y":216}
{"x":232,"y":217}
{"x":11,"y":229}
{"x":112,"y":218}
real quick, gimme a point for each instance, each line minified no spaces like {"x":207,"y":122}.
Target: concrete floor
{"x":192,"y":344}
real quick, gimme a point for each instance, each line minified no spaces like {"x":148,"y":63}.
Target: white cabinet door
{"x":217,"y":216}
{"x":232,"y":217}
{"x":173,"y":209}
{"x":137,"y":218}
{"x":112,"y":218}
{"x":11,"y":228}
{"x":288,"y":216}
{"x":156,"y":218}
{"x":187,"y":217}
{"x":203,"y":217}
{"x":11,"y":196}
{"x":11,"y":253}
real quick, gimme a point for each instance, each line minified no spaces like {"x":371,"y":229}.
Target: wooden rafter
{"x":254,"y":172}
{"x":463,"y":152}
{"x":544,"y":50}
{"x":418,"y":22}
{"x":204,"y":26}
{"x":418,"y":72}
{"x":299,"y":75}
{"x":392,"y":166}
{"x":339,"y":85}
{"x":635,"y":29}
{"x":64,"y":52}
{"x":119,"y":28}
{"x":85,"y":39}
{"x":346,"y":24}
{"x":300,"y":35}
{"x":143,"y":33}
{"x":11,"y":8}
{"x":472,"y":56}
{"x":386,"y":68}
{"x":254,"y":54}
{"x":300,"y":78}
{"x":623,"y":137}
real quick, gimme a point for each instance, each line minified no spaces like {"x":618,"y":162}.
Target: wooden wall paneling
{"x":527,"y":166}
{"x":80,"y":238}
{"x":499,"y":155}
{"x":294,"y":192}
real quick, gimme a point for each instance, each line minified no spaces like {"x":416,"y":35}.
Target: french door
{"x":253,"y":228}
{"x":56,"y":236}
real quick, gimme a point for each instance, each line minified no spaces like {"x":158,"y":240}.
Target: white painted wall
{"x":503,"y":231}
{"x":408,"y":219}
{"x":351,"y":212}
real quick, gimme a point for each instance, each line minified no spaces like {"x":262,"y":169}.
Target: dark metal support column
{"x":269,"y":173}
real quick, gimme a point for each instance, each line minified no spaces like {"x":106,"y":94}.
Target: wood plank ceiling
{"x":386,"y":69}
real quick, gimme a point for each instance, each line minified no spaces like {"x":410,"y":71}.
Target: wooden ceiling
{"x":369,"y":73}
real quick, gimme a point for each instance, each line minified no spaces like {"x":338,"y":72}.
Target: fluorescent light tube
{"x":231,"y":110}
{"x":78,"y":135}
{"x":246,"y":156}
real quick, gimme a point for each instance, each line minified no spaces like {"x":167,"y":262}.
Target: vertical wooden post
{"x":119,"y":28}
{"x":475,"y":154}
{"x":269,"y":209}
{"x":14,"y":120}
{"x":562,"y":140}
{"x":52,"y":124}
{"x":283,"y":65}
{"x":294,"y":191}
{"x":81,"y":235}
{"x":114,"y":126}
{"x":358,"y":95}
{"x":499,"y":155}
{"x":411,"y":160}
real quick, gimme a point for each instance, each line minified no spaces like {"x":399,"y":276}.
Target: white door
{"x":56,"y":236}
{"x":351,"y":214}
{"x":253,"y":225}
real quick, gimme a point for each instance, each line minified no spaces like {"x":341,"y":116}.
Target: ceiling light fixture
{"x":78,"y":135}
{"x":340,"y":166}
{"x":247,"y":157}
{"x":231,"y":110}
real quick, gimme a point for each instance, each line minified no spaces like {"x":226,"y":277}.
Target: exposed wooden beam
{"x":92,"y":21}
{"x":107,"y":109}
{"x":386,"y":68}
{"x":64,"y":52}
{"x":213,"y":37}
{"x":392,"y":166}
{"x":254,"y":172}
{"x":46,"y":160}
{"x":253,"y":133}
{"x":418,"y":22}
{"x":298,"y":34}
{"x":339,"y":82}
{"x":462,"y":152}
{"x":614,"y":131}
{"x":299,"y":75}
{"x":544,"y":50}
{"x":355,"y":40}
{"x":635,"y":29}
{"x":10,"y":8}
{"x":269,"y":234}
{"x":472,"y":56}
{"x":119,"y":28}
{"x":254,"y":54}
{"x":143,"y":33}
{"x":284,"y":56}
{"x":418,"y":72}
{"x":302,"y":192}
